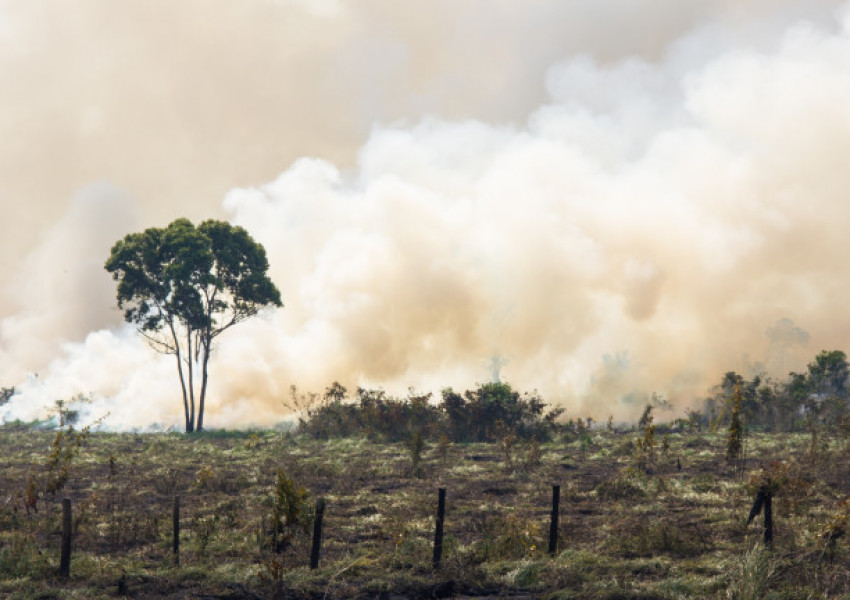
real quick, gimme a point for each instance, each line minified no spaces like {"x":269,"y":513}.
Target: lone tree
{"x":182,"y":286}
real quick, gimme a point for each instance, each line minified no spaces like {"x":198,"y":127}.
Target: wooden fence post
{"x":438,"y":531}
{"x":176,"y":540}
{"x":764,"y":501}
{"x":768,"y":520}
{"x":317,"y":534}
{"x":553,"y":523}
{"x":65,"y":556}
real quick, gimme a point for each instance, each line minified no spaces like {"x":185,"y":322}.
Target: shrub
{"x":332,"y":417}
{"x":645,"y":446}
{"x":483,"y":415}
{"x":735,"y":434}
{"x":291,"y":512}
{"x":374,"y":415}
{"x":66,"y":445}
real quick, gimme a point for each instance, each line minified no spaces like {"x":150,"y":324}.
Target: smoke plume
{"x":652,"y":202}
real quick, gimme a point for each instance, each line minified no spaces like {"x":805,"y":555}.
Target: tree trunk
{"x":190,"y":421}
{"x":189,"y":361}
{"x":207,"y":346}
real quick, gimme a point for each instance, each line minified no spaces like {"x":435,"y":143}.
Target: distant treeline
{"x":818,"y":398}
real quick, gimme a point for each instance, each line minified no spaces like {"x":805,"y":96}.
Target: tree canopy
{"x":182,"y":286}
{"x":818,"y":397}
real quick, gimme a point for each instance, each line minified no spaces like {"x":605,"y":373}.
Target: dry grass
{"x":623,"y":534}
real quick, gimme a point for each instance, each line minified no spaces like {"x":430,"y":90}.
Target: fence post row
{"x":317,"y":534}
{"x":438,"y":530}
{"x":65,"y":556}
{"x":763,"y":502}
{"x":315,"y":551}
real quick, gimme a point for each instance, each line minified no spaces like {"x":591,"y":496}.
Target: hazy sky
{"x":618,"y":197}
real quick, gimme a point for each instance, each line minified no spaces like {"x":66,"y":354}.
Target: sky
{"x":616,"y":198}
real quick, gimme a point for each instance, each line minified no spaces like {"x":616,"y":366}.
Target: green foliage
{"x":734,"y":388}
{"x":818,"y":397}
{"x":578,"y":430}
{"x":481,"y":415}
{"x":374,"y":415}
{"x":645,"y":446}
{"x":828,"y":373}
{"x":695,"y":419}
{"x":735,"y":434}
{"x":330,"y":417}
{"x":486,"y":414}
{"x":182,"y":286}
{"x":646,"y":418}
{"x":64,"y":449}
{"x":291,"y":512}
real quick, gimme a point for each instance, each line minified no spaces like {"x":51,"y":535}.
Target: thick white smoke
{"x":659,"y":220}
{"x":60,"y":291}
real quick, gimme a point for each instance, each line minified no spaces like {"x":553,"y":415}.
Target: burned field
{"x":627,"y":529}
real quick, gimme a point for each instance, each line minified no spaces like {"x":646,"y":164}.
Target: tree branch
{"x":161,"y":346}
